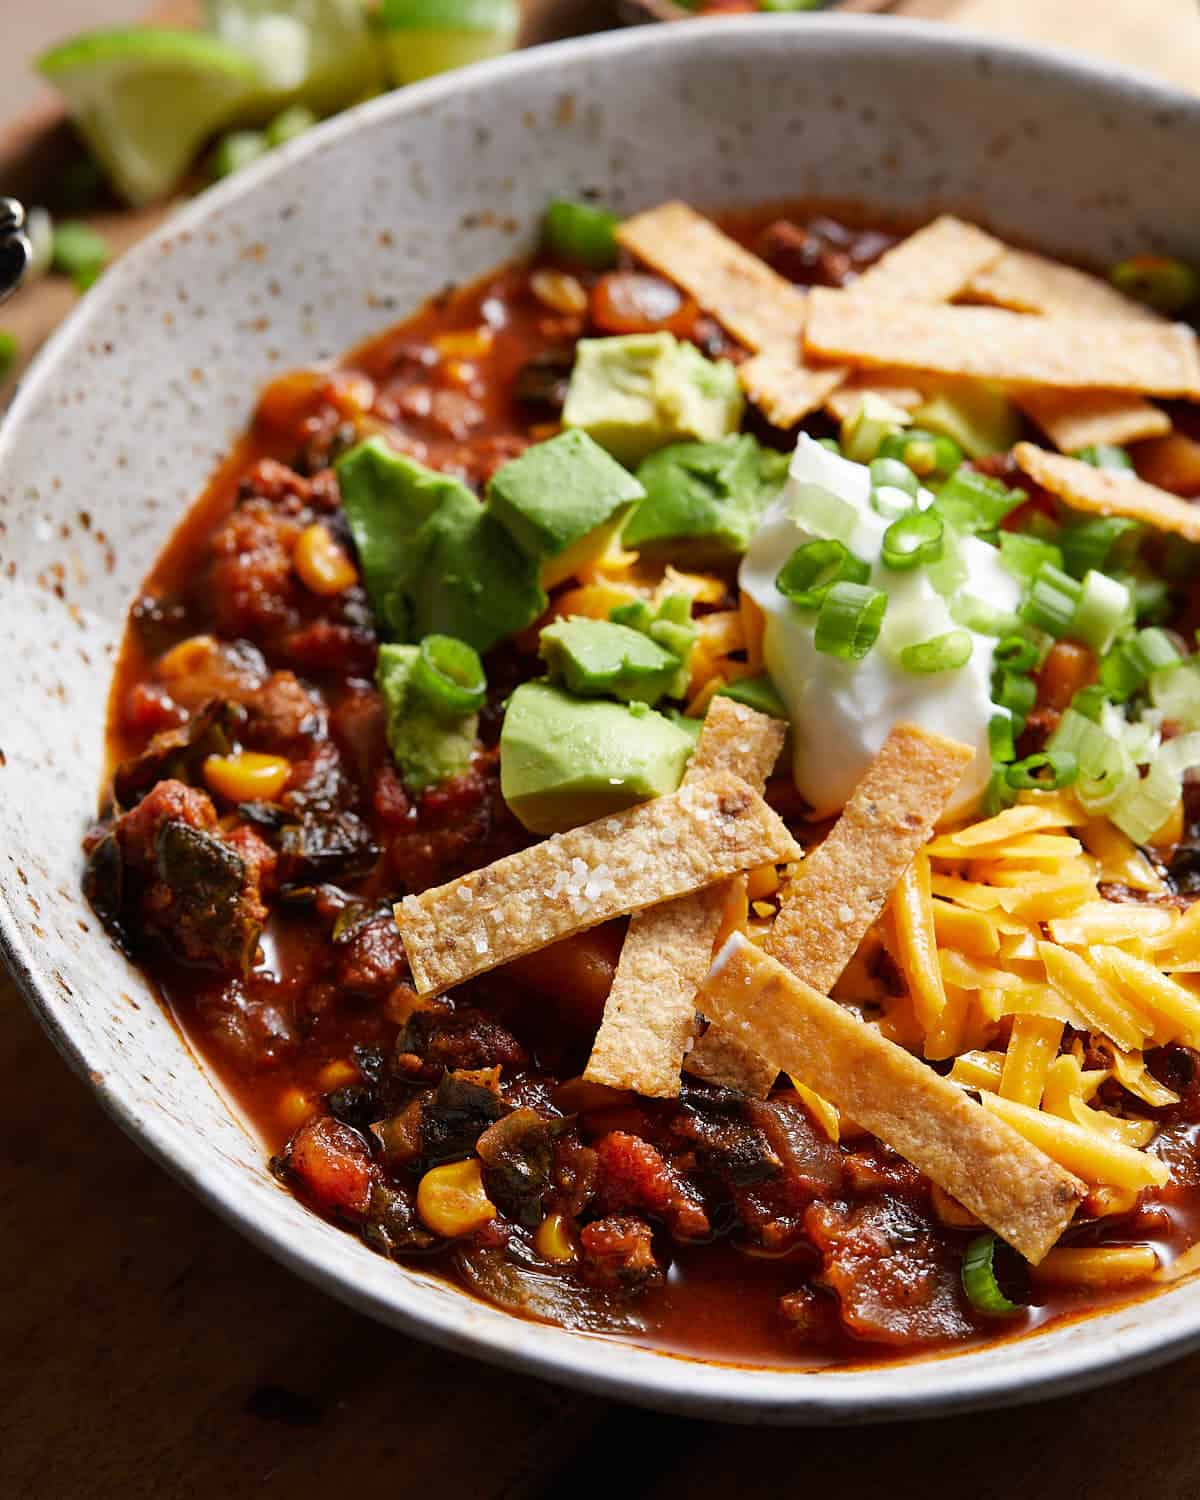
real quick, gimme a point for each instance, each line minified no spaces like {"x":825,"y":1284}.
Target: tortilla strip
{"x":707,"y":830}
{"x":1028,"y":283}
{"x":1014,"y":1188}
{"x":986,"y":342}
{"x":1105,"y":492}
{"x":932,"y":265}
{"x":751,"y":301}
{"x":650,"y":1015}
{"x":1081,"y":419}
{"x":845,"y":882}
{"x":719,"y":1057}
{"x":1024,"y":282}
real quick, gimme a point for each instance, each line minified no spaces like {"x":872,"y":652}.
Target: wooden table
{"x":147,"y":1351}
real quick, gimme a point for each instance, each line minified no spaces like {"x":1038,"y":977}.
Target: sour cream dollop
{"x":842,"y":711}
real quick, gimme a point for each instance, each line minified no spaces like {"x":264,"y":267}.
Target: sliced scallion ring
{"x":979,"y":1279}
{"x":448,"y":676}
{"x":914,"y":539}
{"x":849,"y":620}
{"x":942,"y":653}
{"x":813,"y":569}
{"x":1015,"y":654}
{"x":1047,"y":771}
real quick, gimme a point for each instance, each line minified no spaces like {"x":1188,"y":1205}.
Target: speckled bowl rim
{"x":666,"y":1381}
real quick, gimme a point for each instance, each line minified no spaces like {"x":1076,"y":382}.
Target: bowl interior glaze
{"x":136,"y":398}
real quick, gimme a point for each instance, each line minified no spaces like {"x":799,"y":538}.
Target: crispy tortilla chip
{"x":1107,"y":492}
{"x":1014,"y":1188}
{"x":931,"y":265}
{"x":1028,"y":283}
{"x":988,"y":343}
{"x":754,"y":303}
{"x":845,"y":883}
{"x":650,"y":1015}
{"x":719,"y":1057}
{"x":707,"y":830}
{"x":1081,"y":419}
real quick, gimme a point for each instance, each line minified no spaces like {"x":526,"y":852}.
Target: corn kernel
{"x":185,"y":658}
{"x":295,"y":1107}
{"x":466,"y":343}
{"x":553,"y":1241}
{"x":336,"y":1074}
{"x":762,"y":882}
{"x":559,"y":292}
{"x":247,"y":776}
{"x":460,"y":372}
{"x":321,"y":564}
{"x":451,"y":1199}
{"x":352,"y":392}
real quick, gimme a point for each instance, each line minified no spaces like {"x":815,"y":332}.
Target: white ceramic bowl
{"x":348,"y":229}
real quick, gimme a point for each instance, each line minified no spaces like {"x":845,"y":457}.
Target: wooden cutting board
{"x":148,"y":1351}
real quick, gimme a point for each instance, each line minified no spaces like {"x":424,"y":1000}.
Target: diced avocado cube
{"x":693,"y":728}
{"x":434,"y":560}
{"x":427,"y":747}
{"x":640,"y":391}
{"x":387,"y":498}
{"x":475,"y":582}
{"x":561,"y":501}
{"x":759,"y":693}
{"x":977,"y":415}
{"x":703,"y":500}
{"x":596,"y":658}
{"x":566,"y":761}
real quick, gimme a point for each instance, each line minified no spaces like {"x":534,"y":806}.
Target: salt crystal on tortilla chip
{"x":991,"y":344}
{"x":706,"y":831}
{"x":1014,"y":1188}
{"x":650,"y":1015}
{"x":1108,"y":492}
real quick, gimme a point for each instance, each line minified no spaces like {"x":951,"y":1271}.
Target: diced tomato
{"x":333,"y":1166}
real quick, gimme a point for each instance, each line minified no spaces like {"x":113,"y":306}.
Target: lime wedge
{"x":315,"y":53}
{"x":146,"y":98}
{"x":423,"y":37}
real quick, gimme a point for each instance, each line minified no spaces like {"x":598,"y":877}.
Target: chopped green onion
{"x":1016,"y":693}
{"x":831,"y":444}
{"x":1151,"y":599}
{"x":942,"y":653}
{"x":949,"y":572}
{"x":822,"y":512}
{"x":1047,"y":771}
{"x":582,"y":233}
{"x":677,"y":608}
{"x":1104,"y":766}
{"x":814,"y":568}
{"x":979,"y":1279}
{"x":673,"y":637}
{"x":1089,"y":701}
{"x":913,"y":539}
{"x":928,"y":454}
{"x":1152,"y":650}
{"x":8,"y":352}
{"x":448,"y":676}
{"x":1051,"y":601}
{"x":1175,"y":692}
{"x":1145,"y":802}
{"x":79,"y":252}
{"x":1016,"y":654}
{"x":849,"y":621}
{"x":1104,"y":609}
{"x":975,"y":502}
{"x":290,"y":123}
{"x":236,"y":150}
{"x":1159,"y":282}
{"x":998,"y":794}
{"x":1023,"y":554}
{"x":1000,"y":739}
{"x":1105,"y":456}
{"x":981,"y":616}
{"x":872,"y":422}
{"x":890,"y":473}
{"x":1091,"y":543}
{"x":1119,"y":677}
